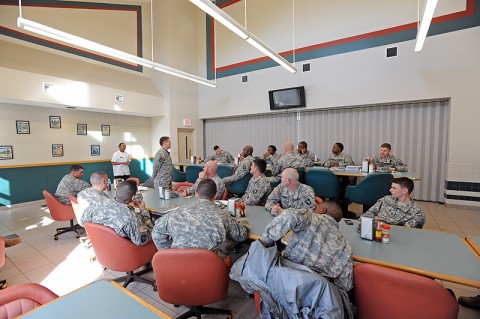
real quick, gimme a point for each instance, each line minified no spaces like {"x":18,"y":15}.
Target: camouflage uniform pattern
{"x":392,"y":212}
{"x":162,"y":169}
{"x":242,"y":169}
{"x":224,"y":158}
{"x":257,"y":191}
{"x":199,"y":225}
{"x":302,"y":197}
{"x":383,"y":164}
{"x":287,"y":160}
{"x":342,"y":159}
{"x":308,"y":158}
{"x":272,"y":159}
{"x":218,"y":181}
{"x":69,"y":185}
{"x":120,"y":218}
{"x":90,"y":196}
{"x":316,"y":242}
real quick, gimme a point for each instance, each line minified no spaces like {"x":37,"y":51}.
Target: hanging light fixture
{"x":97,"y":47}
{"x":218,"y":14}
{"x":425,"y":24}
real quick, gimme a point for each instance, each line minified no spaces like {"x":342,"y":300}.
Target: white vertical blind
{"x":417,"y":131}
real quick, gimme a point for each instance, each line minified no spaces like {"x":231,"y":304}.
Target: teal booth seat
{"x":301,"y":175}
{"x":192,"y":172}
{"x":275,"y":184}
{"x":178,"y":176}
{"x":370,"y":189}
{"x":323,"y":181}
{"x":224,"y":171}
{"x":239,"y":187}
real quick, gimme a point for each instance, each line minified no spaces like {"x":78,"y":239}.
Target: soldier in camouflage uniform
{"x":92,"y":194}
{"x":244,"y":167}
{"x":221,"y":156}
{"x":308,"y":157}
{"x":162,"y":165}
{"x":399,"y":208}
{"x":71,"y":184}
{"x":385,"y":162}
{"x":338,"y":159}
{"x":316,"y":242}
{"x":288,"y":159}
{"x":116,"y":214}
{"x":290,"y":194}
{"x":210,"y":171}
{"x":258,"y":187}
{"x":200,"y":225}
{"x":271,"y":156}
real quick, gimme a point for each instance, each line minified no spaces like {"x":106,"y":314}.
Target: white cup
{"x":167,"y":194}
{"x":160,"y":192}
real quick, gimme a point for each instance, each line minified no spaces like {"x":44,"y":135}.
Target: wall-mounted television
{"x":287,"y":98}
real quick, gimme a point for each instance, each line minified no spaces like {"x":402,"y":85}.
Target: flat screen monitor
{"x":287,"y":98}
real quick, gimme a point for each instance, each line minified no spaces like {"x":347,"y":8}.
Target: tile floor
{"x":65,"y":265}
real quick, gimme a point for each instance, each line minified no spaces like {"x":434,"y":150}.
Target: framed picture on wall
{"x":95,"y":150}
{"x":81,"y":129}
{"x":6,"y":152}
{"x":105,"y":130}
{"x":57,"y":150}
{"x":23,"y":127}
{"x":55,"y":122}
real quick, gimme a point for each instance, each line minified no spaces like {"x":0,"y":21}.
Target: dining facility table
{"x":474,"y":242}
{"x":100,"y":299}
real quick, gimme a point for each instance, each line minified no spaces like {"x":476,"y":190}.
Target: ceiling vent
{"x":306,"y":67}
{"x":118,"y":98}
{"x":47,"y":87}
{"x":391,"y":52}
{"x":244,"y":78}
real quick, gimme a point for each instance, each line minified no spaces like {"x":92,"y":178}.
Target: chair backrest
{"x":135,"y":179}
{"x":301,"y":174}
{"x":382,"y":292}
{"x":370,"y":189}
{"x":115,"y":252}
{"x":178,"y":176}
{"x":2,"y":251}
{"x":77,"y":208}
{"x":58,"y":210}
{"x":225,"y":194}
{"x":224,"y":171}
{"x":190,"y":277}
{"x":182,"y":186}
{"x":323,"y":181}
{"x":192,"y":172}
{"x":239,"y":187}
{"x":22,"y":298}
{"x":275,"y":184}
{"x":318,"y":201}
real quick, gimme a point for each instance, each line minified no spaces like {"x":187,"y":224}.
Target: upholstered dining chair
{"x":61,"y":212}
{"x":22,"y":298}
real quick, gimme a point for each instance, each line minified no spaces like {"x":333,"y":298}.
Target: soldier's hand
{"x":140,"y":203}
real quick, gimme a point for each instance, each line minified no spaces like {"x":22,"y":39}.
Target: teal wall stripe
{"x":72,"y":50}
{"x":449,"y":23}
{"x":25,"y":184}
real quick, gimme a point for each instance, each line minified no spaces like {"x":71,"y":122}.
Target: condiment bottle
{"x":242,"y":209}
{"x":378,"y":230}
{"x":386,"y":233}
{"x":109,"y":185}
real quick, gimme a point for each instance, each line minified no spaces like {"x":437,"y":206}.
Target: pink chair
{"x":136,"y":180}
{"x":120,"y":254}
{"x":182,"y":186}
{"x":382,"y":292}
{"x":21,"y":298}
{"x":61,"y":212}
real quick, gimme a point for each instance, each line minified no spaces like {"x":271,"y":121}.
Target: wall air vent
{"x":47,"y":87}
{"x":118,"y":98}
{"x":391,"y":52}
{"x":244,"y":78}
{"x":306,"y":67}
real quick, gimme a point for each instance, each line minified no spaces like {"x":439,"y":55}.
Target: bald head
{"x":290,"y":173}
{"x":211,"y":168}
{"x":99,"y":180}
{"x":289,"y":147}
{"x":331,"y":209}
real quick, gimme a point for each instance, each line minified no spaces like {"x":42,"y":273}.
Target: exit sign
{"x":187,"y":122}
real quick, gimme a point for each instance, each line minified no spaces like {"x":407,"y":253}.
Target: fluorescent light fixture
{"x":218,"y":14}
{"x":425,"y":24}
{"x":97,"y":47}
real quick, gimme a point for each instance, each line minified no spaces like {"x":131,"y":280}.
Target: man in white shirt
{"x":121,"y":162}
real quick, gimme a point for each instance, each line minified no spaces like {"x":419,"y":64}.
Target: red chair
{"x":21,"y":298}
{"x":61,"y":212}
{"x":192,"y":277}
{"x":225,"y":193}
{"x":182,"y":186}
{"x":382,"y":292}
{"x":136,"y":180}
{"x":120,"y":254}
{"x":318,"y":201}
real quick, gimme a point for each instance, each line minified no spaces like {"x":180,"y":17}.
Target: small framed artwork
{"x":23,"y":127}
{"x":105,"y":130}
{"x":81,"y":129}
{"x":57,"y":150}
{"x":6,"y":152}
{"x":95,"y":150}
{"x":55,"y":122}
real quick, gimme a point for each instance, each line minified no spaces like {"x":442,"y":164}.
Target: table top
{"x":428,"y":253}
{"x":100,"y":299}
{"x":342,"y":172}
{"x":474,"y":242}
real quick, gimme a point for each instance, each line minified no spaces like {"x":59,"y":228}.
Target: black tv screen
{"x":287,"y":98}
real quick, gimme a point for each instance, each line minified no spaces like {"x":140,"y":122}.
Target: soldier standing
{"x":162,"y":165}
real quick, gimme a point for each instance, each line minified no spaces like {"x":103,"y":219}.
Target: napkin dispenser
{"x":231,"y":206}
{"x":366,"y":231}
